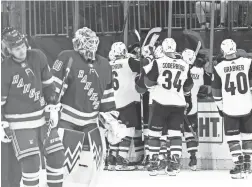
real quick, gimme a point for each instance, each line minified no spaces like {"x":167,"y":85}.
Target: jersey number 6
{"x":115,"y":82}
{"x":240,"y":78}
{"x":176,"y":83}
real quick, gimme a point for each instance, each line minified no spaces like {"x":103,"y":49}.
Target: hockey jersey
{"x":171,"y":78}
{"x":88,"y":89}
{"x":231,"y":85}
{"x":124,"y":72}
{"x":26,"y":86}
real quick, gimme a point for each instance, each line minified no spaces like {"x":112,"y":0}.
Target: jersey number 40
{"x":168,"y":80}
{"x":242,"y":85}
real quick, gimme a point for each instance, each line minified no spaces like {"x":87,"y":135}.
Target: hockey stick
{"x":50,"y":123}
{"x":141,"y":95}
{"x":190,"y":127}
{"x":153,"y":30}
{"x":198,"y":48}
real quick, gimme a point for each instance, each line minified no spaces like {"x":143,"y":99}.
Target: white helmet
{"x":169,"y":45}
{"x":119,"y":49}
{"x":158,"y":53}
{"x":86,"y":43}
{"x":228,"y":47}
{"x":189,"y":56}
{"x":111,"y":55}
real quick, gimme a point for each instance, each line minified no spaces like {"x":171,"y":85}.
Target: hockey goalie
{"x":88,"y":94}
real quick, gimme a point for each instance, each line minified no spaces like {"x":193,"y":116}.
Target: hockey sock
{"x":114,"y":149}
{"x":54,"y":169}
{"x":30,"y":170}
{"x":154,"y":146}
{"x":175,"y":137}
{"x":168,"y":143}
{"x":139,"y":145}
{"x":124,"y":147}
{"x":246,"y":143}
{"x":163,"y":147}
{"x":235,"y":149}
{"x":146,"y":145}
{"x":191,"y":143}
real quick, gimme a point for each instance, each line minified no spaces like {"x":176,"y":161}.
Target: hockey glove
{"x":6,"y":134}
{"x":52,"y":114}
{"x":188,"y":100}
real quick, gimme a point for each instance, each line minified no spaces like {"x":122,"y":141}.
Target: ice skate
{"x":237,"y":172}
{"x":173,"y":166}
{"x":162,"y":165}
{"x":140,"y":165}
{"x":111,"y":159}
{"x":247,"y":166}
{"x":123,"y":165}
{"x":193,"y":162}
{"x":153,"y":165}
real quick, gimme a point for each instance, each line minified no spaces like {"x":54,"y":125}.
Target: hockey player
{"x":200,"y":78}
{"x":231,"y":89}
{"x":124,"y":70}
{"x":172,"y":80}
{"x":27,"y":85}
{"x":88,"y":91}
{"x":11,"y":169}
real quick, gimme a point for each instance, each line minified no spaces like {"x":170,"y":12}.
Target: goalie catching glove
{"x":6,"y":134}
{"x":52,"y":113}
{"x":115,"y":131}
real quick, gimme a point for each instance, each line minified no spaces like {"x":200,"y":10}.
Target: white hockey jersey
{"x":171,"y":78}
{"x":124,"y":72}
{"x":197,"y":75}
{"x":231,"y":85}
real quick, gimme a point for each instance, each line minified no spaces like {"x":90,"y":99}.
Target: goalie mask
{"x":228,"y":47}
{"x":158,"y":53}
{"x":169,"y":45}
{"x":189,"y":56}
{"x":86,"y":43}
{"x":119,"y":49}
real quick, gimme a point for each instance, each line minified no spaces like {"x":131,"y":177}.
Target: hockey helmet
{"x":119,"y":49}
{"x":12,"y":38}
{"x":189,"y":56}
{"x":86,"y":43}
{"x":158,"y":53}
{"x":169,"y":45}
{"x":228,"y":47}
{"x":111,"y":55}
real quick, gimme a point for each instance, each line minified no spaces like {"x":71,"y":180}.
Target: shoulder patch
{"x":57,"y":65}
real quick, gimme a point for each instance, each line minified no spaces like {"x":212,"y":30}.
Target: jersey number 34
{"x":168,"y":80}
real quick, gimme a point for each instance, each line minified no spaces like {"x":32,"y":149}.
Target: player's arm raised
{"x":187,"y":91}
{"x":216,"y":90}
{"x":152,"y":74}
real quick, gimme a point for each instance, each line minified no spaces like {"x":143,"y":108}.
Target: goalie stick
{"x":50,"y":123}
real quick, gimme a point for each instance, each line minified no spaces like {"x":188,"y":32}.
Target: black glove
{"x":188,"y":100}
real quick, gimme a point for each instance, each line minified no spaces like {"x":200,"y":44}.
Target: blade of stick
{"x":138,"y":35}
{"x":198,"y":48}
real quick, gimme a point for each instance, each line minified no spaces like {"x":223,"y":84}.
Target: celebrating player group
{"x":86,"y":110}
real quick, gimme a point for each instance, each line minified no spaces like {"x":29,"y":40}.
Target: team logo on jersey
{"x":57,"y":65}
{"x":29,"y":71}
{"x":23,"y":65}
{"x":93,"y":96}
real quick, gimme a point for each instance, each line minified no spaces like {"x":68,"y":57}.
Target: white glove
{"x":52,"y":114}
{"x":6,"y":134}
